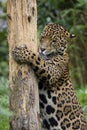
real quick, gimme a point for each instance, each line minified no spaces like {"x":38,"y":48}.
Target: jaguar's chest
{"x":48,"y":107}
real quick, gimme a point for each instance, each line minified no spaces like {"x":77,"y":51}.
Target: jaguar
{"x":59,"y":106}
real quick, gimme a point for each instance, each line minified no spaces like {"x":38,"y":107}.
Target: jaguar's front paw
{"x":19,"y":53}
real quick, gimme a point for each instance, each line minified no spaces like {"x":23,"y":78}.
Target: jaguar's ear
{"x":72,"y":35}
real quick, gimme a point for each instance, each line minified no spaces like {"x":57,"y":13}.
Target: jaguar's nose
{"x":42,"y":49}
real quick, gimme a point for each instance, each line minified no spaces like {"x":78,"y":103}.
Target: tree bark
{"x":24,"y":101}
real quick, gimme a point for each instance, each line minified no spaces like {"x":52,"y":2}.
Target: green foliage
{"x":3,"y":41}
{"x":82,"y":95}
{"x":4,"y":104}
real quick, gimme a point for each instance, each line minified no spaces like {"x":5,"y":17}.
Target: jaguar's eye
{"x":41,"y":39}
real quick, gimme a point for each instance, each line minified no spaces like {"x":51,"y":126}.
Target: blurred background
{"x":72,"y":14}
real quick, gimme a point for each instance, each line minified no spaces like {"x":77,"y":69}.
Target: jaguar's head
{"x":54,"y":40}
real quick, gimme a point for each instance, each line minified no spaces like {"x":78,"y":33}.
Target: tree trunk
{"x":24,"y":101}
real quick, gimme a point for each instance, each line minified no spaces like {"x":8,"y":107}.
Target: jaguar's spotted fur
{"x":59,"y":106}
